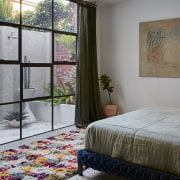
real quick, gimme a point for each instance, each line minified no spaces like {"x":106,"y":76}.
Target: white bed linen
{"x":149,"y":137}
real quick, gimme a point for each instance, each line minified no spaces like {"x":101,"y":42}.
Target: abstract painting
{"x":159,"y":48}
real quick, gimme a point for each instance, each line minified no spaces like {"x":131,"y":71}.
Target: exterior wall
{"x":35,"y":45}
{"x":37,"y":48}
{"x":119,"y":54}
{"x":9,"y":43}
{"x":61,"y":52}
{"x":64,"y":70}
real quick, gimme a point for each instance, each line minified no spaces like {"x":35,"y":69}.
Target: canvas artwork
{"x":159,"y":48}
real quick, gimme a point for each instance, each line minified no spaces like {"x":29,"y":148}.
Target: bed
{"x":143,"y":144}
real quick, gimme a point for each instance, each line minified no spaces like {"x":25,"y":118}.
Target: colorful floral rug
{"x":53,"y":158}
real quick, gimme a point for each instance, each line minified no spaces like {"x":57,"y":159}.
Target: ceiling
{"x":105,"y":1}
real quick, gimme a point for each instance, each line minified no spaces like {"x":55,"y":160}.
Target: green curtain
{"x":88,"y":102}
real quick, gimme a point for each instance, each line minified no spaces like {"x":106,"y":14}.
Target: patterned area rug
{"x":53,"y":158}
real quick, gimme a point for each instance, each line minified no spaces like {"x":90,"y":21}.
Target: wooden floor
{"x":91,"y":174}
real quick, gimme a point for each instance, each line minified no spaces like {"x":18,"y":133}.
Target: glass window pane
{"x":36,"y":82}
{"x":64,"y":113}
{"x":10,"y":11}
{"x":65,"y":48}
{"x":37,"y":13}
{"x":9,"y":123}
{"x":36,"y":46}
{"x":65,"y":16}
{"x":64,"y":80}
{"x":39,"y":117}
{"x":9,"y":83}
{"x":8,"y":43}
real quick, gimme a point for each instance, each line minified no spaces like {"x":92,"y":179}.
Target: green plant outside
{"x":6,"y":10}
{"x":60,"y":89}
{"x":69,"y":42}
{"x":41,"y":16}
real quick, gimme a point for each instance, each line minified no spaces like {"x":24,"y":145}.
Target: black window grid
{"x":19,"y":62}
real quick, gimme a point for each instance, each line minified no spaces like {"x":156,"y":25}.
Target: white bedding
{"x":149,"y":137}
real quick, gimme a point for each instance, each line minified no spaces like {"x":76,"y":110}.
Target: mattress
{"x":148,"y":137}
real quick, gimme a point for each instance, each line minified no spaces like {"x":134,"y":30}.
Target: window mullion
{"x":21,"y":68}
{"x":22,"y":27}
{"x":52,"y":67}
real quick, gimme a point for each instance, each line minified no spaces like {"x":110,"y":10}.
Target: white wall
{"x":118,"y":29}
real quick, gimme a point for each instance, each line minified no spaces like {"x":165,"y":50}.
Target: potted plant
{"x":12,"y":119}
{"x":63,"y":103}
{"x":109,"y":108}
{"x":28,"y":92}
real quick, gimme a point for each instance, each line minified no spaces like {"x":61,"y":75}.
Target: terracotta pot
{"x":110,"y":110}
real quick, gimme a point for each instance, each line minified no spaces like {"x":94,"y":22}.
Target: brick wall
{"x":61,"y":53}
{"x":64,"y":71}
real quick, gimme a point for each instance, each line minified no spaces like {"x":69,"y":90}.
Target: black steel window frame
{"x":51,"y":65}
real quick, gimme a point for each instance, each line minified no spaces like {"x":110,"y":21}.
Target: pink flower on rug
{"x":74,"y":131}
{"x":51,"y":138}
{"x":24,"y":147}
{"x":3,"y":169}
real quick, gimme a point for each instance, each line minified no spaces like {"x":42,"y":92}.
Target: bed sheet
{"x":149,"y":137}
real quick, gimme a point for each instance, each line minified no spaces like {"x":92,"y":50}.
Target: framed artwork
{"x":159,"y":48}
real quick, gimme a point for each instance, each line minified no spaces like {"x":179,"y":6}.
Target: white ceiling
{"x":105,"y":1}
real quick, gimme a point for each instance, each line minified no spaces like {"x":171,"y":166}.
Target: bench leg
{"x":80,"y":169}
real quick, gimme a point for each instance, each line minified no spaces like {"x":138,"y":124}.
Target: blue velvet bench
{"x":119,"y":168}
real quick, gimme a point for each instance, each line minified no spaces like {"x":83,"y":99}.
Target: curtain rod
{"x":86,"y":3}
